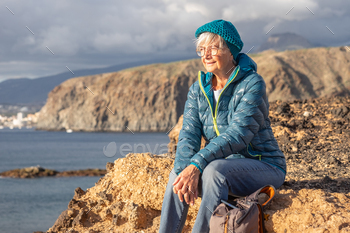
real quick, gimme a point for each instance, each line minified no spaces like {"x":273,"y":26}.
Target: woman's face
{"x":220,"y":63}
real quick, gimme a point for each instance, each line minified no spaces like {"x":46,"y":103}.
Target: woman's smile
{"x":209,"y":62}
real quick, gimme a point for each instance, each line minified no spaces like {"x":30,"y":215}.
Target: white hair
{"x":207,"y":38}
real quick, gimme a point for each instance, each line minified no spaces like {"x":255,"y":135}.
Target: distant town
{"x":14,"y":116}
{"x":19,"y":121}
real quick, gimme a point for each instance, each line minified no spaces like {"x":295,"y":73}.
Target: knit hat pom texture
{"x":227,"y":31}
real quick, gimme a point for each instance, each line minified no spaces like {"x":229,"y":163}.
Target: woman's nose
{"x":207,"y":53}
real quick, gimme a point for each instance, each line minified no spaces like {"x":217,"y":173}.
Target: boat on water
{"x":69,"y":131}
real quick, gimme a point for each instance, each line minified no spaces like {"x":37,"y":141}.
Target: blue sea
{"x":28,"y":205}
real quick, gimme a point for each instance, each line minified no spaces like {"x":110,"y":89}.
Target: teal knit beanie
{"x":227,"y":31}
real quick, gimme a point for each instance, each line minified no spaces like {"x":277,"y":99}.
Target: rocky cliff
{"x":146,"y":98}
{"x":152,"y":98}
{"x":313,"y":134}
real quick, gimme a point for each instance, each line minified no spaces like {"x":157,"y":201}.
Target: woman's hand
{"x":186,"y":184}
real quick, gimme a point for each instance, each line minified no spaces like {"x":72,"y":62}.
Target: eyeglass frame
{"x":205,"y":50}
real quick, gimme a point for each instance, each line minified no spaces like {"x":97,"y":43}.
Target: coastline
{"x":37,"y":171}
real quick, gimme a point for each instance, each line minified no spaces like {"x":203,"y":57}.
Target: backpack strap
{"x":261,"y":223}
{"x":270,"y":191}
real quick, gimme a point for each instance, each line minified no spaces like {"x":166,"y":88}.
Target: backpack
{"x":244,"y":216}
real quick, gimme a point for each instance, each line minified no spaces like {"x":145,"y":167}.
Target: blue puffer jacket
{"x":239,"y":124}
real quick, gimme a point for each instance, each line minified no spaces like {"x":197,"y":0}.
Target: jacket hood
{"x":246,"y":63}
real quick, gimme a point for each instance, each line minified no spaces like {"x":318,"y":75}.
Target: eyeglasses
{"x":201,"y":51}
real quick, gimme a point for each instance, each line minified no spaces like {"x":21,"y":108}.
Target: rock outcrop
{"x":129,"y":199}
{"x":29,"y":172}
{"x":37,"y":171}
{"x":152,"y":98}
{"x":313,"y":134}
{"x":83,"y":172}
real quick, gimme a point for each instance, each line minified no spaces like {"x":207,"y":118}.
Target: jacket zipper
{"x":200,"y":84}
{"x":217,"y":103}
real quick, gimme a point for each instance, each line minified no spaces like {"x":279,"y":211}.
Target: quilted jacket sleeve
{"x":246,"y":121}
{"x":190,"y":134}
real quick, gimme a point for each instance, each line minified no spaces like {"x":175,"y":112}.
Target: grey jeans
{"x":220,"y":177}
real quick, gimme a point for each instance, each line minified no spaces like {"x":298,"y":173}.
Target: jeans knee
{"x":211,"y":173}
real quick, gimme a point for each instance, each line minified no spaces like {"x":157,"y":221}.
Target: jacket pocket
{"x":253,"y":153}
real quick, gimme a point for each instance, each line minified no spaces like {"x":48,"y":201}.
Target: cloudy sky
{"x":39,"y":38}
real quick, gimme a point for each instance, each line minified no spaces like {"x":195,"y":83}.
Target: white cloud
{"x":270,"y":9}
{"x":195,"y":7}
{"x":98,"y":32}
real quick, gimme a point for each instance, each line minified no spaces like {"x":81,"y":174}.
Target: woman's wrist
{"x":195,"y":169}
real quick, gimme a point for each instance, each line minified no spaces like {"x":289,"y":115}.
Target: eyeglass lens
{"x":202,"y":51}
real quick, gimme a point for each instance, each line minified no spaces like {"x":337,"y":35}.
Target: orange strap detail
{"x":261,"y":226}
{"x":270,"y":191}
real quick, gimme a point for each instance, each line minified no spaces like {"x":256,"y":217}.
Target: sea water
{"x":28,"y":205}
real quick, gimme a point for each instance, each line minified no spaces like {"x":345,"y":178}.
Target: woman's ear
{"x":231,"y":56}
{"x":232,"y":59}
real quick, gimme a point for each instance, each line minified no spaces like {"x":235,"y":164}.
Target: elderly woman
{"x":229,"y":107}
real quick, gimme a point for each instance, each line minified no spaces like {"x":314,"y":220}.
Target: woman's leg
{"x":174,"y":212}
{"x":241,"y":176}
